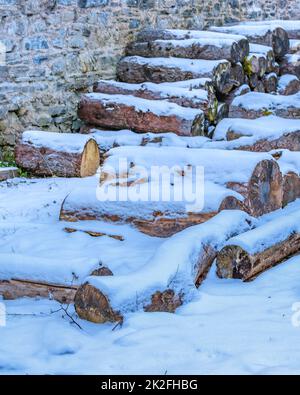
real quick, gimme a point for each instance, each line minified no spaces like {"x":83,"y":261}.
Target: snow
{"x":285,"y":80}
{"x":70,"y":142}
{"x":208,"y":335}
{"x":257,"y":28}
{"x":270,"y":128}
{"x":258,"y":101}
{"x":258,"y":48}
{"x":219,"y":42}
{"x":158,"y":107}
{"x":202,"y":34}
{"x":197,"y":66}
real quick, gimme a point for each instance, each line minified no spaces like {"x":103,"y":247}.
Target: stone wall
{"x":56,"y":49}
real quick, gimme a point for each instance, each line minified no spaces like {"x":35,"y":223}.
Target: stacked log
{"x":288,"y":84}
{"x":290,"y":64}
{"x":140,"y":115}
{"x":57,"y":154}
{"x":255,"y":104}
{"x":136,"y":69}
{"x":247,"y":255}
{"x":175,"y":271}
{"x":204,"y":100}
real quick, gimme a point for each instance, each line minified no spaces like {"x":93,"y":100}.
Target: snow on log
{"x":57,"y":154}
{"x":260,"y":134}
{"x":209,"y":48}
{"x":140,"y":115}
{"x":266,"y":34}
{"x":136,"y":69}
{"x":196,"y":83}
{"x":228,"y":173}
{"x":270,"y":82}
{"x":255,"y":63}
{"x":204,"y":100}
{"x":214,"y":45}
{"x":241,"y":90}
{"x":247,"y":255}
{"x":267,"y":52}
{"x":290,"y":64}
{"x":288,"y":84}
{"x":166,"y":281}
{"x":292,"y":27}
{"x":8,"y":172}
{"x":294,"y":46}
{"x":256,"y":104}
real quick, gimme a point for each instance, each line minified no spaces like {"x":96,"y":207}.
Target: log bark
{"x":270,"y":82}
{"x":193,"y":48}
{"x":8,"y":172}
{"x":241,"y":49}
{"x":288,"y":86}
{"x":140,"y":115}
{"x":14,"y":289}
{"x":43,"y":160}
{"x":134,"y":69}
{"x":196,"y":98}
{"x":290,"y":64}
{"x":235,"y":262}
{"x":282,"y":106}
{"x":272,"y":36}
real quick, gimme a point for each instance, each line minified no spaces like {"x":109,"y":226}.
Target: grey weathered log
{"x":135,"y":69}
{"x":288,"y":84}
{"x":270,"y":82}
{"x":290,"y":64}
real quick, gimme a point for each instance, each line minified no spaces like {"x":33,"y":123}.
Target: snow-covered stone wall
{"x":51,"y":50}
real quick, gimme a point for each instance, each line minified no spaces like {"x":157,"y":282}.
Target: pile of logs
{"x":184,"y":98}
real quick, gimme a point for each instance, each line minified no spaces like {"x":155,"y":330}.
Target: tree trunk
{"x":140,"y":115}
{"x":14,"y":289}
{"x":197,"y":98}
{"x":55,"y":154}
{"x":135,"y":69}
{"x":270,"y":82}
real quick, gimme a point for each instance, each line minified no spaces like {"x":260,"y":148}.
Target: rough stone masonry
{"x":52,"y":50}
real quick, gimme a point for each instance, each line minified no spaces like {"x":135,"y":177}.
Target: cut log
{"x":249,"y":254}
{"x":290,"y":64}
{"x":291,"y":186}
{"x":219,"y":41}
{"x":222,"y":112}
{"x":270,"y":82}
{"x":292,"y":27}
{"x":295,"y":46}
{"x":261,"y":134}
{"x":237,"y":74}
{"x":242,"y":90}
{"x":288,"y":84}
{"x":196,"y":83}
{"x":8,"y":172}
{"x":14,"y":289}
{"x":136,"y":69}
{"x":140,"y":115}
{"x":256,"y":83}
{"x":256,"y":104}
{"x":57,"y":154}
{"x":255,"y":63}
{"x":204,"y":100}
{"x":166,"y":282}
{"x":193,"y":48}
{"x":270,"y":35}
{"x":256,"y":183}
{"x":267,"y":52}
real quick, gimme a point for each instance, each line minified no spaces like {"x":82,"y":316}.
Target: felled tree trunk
{"x":290,"y":64}
{"x":196,"y":98}
{"x":140,"y":115}
{"x":288,"y":85}
{"x":135,"y":69}
{"x":57,"y":154}
{"x":270,"y":82}
{"x":274,"y":37}
{"x":14,"y":289}
{"x":193,"y":48}
{"x":245,"y":261}
{"x":219,"y":41}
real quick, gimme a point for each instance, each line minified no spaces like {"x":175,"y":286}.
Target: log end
{"x":90,"y":159}
{"x":92,"y":305}
{"x":233,"y":262}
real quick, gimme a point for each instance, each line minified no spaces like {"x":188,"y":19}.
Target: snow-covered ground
{"x":229,"y":326}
